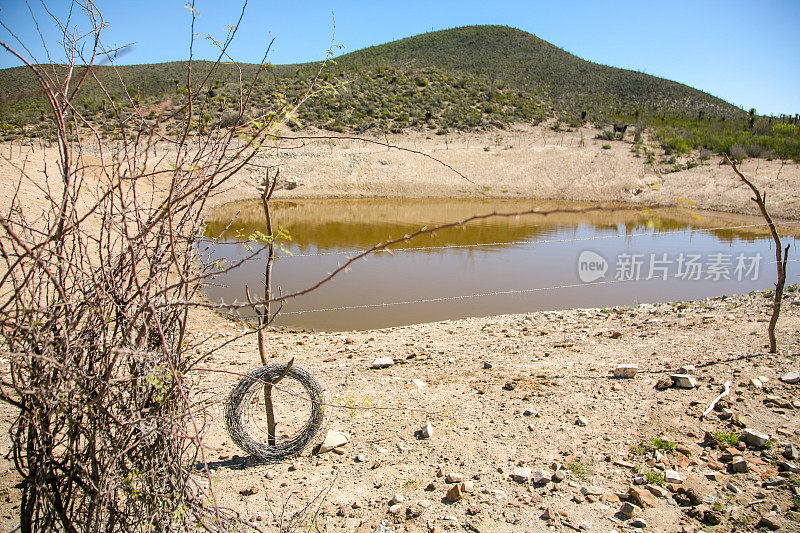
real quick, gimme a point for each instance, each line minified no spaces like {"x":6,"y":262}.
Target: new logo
{"x":591,"y":266}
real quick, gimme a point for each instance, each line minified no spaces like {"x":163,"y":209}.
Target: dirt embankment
{"x":523,"y":162}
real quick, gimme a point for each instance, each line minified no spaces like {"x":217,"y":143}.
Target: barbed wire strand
{"x":480,"y":295}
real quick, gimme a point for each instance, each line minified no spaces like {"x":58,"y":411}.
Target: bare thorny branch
{"x":107,"y":434}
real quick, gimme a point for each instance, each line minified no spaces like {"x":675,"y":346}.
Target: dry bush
{"x":93,"y":292}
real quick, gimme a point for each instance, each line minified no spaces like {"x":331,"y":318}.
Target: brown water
{"x":494,"y":266}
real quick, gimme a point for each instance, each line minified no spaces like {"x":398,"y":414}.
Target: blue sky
{"x":747,"y":52}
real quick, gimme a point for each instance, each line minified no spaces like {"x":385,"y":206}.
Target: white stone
{"x":395,"y":509}
{"x":671,"y":476}
{"x":733,"y":488}
{"x":334,"y":439}
{"x":418,"y":383}
{"x":684,"y":381}
{"x":754,"y":438}
{"x":626,"y":371}
{"x":397,"y":498}
{"x":542,"y":476}
{"x":382,"y":362}
{"x":522,"y":474}
{"x":790,"y":377}
{"x":427,"y":430}
{"x":498,"y":494}
{"x":581,"y":421}
{"x":455,"y":477}
{"x":756,"y":383}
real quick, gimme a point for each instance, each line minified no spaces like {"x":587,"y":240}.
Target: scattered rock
{"x":427,"y":430}
{"x":740,"y":467}
{"x":418,"y":383}
{"x":687,"y":369}
{"x":540,"y":477}
{"x":643,"y":497}
{"x":774,"y":481}
{"x":591,"y":490}
{"x":383,"y":528}
{"x":777,"y":401}
{"x":334,"y":439}
{"x":455,"y":477}
{"x":249,"y":491}
{"x":395,"y":509}
{"x":549,"y":514}
{"x":455,"y":493}
{"x":756,"y":383}
{"x":638,"y":523}
{"x":656,"y":490}
{"x":414,"y":511}
{"x":790,"y":377}
{"x":382,"y":362}
{"x":628,"y":509}
{"x":754,"y":438}
{"x":626,"y":371}
{"x":559,"y":475}
{"x":663,"y":383}
{"x":791,"y":452}
{"x":771,"y":521}
{"x":397,"y":498}
{"x":510,"y":385}
{"x":713,"y":517}
{"x":581,"y":421}
{"x":786,"y":466}
{"x":671,"y":476}
{"x":487,"y":365}
{"x":684,"y":381}
{"x":682,"y":448}
{"x":733,"y":488}
{"x":522,"y":474}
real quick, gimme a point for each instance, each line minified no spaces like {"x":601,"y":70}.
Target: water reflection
{"x":514,"y":256}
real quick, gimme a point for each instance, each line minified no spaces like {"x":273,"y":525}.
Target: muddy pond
{"x":493,"y":266}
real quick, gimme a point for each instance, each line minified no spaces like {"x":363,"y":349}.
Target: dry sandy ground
{"x":524,"y":162}
{"x":554,"y":366}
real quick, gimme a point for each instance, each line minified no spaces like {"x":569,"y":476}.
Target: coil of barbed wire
{"x":241,"y":421}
